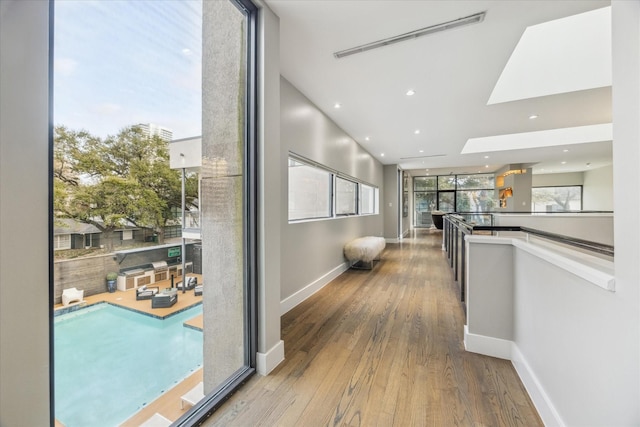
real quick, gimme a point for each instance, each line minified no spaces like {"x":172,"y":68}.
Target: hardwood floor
{"x":383,"y":348}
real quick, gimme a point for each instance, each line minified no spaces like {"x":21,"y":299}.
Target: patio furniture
{"x":70,"y":295}
{"x":193,"y":396}
{"x":156,"y":420}
{"x":197,"y":291}
{"x":164,"y":299}
{"x":192,"y":281}
{"x":146,"y":292}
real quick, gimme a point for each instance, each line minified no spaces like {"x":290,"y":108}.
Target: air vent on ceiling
{"x":471,"y":19}
{"x":422,"y":157}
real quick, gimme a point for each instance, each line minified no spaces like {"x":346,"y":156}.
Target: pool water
{"x":110,"y":362}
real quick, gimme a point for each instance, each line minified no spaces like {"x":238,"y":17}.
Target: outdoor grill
{"x":133,"y":272}
{"x":159,"y":266}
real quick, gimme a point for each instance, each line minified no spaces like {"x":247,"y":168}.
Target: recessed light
{"x":411,"y":92}
{"x":337,"y":105}
{"x":588,"y":165}
{"x":564,"y":163}
{"x":366,"y":138}
{"x":417,"y":131}
{"x":565,"y":151}
{"x":381,"y":154}
{"x":533,"y":117}
{"x":422,"y":151}
{"x":486,"y":166}
{"x":486,"y":157}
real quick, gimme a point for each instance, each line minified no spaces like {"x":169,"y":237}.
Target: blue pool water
{"x":110,"y":362}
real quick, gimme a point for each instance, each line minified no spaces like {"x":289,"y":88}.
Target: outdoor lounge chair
{"x":156,"y":420}
{"x":145,"y":292}
{"x":193,"y":396}
{"x":192,"y":281}
{"x":164,"y":299}
{"x":197,"y":291}
{"x":70,"y":295}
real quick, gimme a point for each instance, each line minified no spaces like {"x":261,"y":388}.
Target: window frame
{"x":335,"y":175}
{"x":353,"y":201}
{"x":559,"y":186}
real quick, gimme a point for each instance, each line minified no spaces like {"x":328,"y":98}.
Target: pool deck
{"x":169,"y":403}
{"x":127,"y":299}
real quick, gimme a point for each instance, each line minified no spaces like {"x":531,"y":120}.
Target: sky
{"x":119,"y":63}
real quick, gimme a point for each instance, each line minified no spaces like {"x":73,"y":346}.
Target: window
{"x":62,"y":241}
{"x":316,"y":192}
{"x":368,"y":199}
{"x":140,"y":96}
{"x":425,"y":183}
{"x":556,"y":199}
{"x":309,"y":191}
{"x":346,"y":197}
{"x":452,"y":193}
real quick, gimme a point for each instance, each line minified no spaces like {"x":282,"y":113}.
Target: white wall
{"x":595,"y":227}
{"x":566,"y":339}
{"x":597,"y":190}
{"x":581,"y":343}
{"x":557,"y":179}
{"x":312,"y":252}
{"x":270,"y":347}
{"x":24,"y":206}
{"x":626,"y":193}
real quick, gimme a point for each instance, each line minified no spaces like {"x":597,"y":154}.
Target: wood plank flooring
{"x":383,"y":348}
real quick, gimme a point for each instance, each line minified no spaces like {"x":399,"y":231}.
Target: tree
{"x":120,"y":180}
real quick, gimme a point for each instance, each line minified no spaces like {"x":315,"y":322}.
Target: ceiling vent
{"x":422,"y":157}
{"x":471,"y":19}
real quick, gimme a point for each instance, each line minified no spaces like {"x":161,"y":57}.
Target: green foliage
{"x":119,"y":180}
{"x":112,"y":276}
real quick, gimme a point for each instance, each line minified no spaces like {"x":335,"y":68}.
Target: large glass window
{"x":556,"y":199}
{"x":449,"y":193}
{"x":139,"y":169}
{"x":309,"y":191}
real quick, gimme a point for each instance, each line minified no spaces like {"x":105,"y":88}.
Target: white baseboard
{"x":267,"y":362}
{"x":489,"y":346}
{"x":304,"y":293}
{"x":540,"y":399}
{"x":505,"y":349}
{"x":391,"y":240}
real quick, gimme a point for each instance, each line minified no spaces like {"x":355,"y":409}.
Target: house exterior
{"x":71,"y":234}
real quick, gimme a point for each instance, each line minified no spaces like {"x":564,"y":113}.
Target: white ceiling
{"x":452,"y":72}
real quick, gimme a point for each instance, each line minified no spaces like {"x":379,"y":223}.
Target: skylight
{"x":560,"y":56}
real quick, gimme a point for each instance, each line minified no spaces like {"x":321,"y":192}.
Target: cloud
{"x":105,"y":108}
{"x":65,"y":66}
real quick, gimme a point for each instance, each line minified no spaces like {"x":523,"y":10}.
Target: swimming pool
{"x":110,"y":362}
